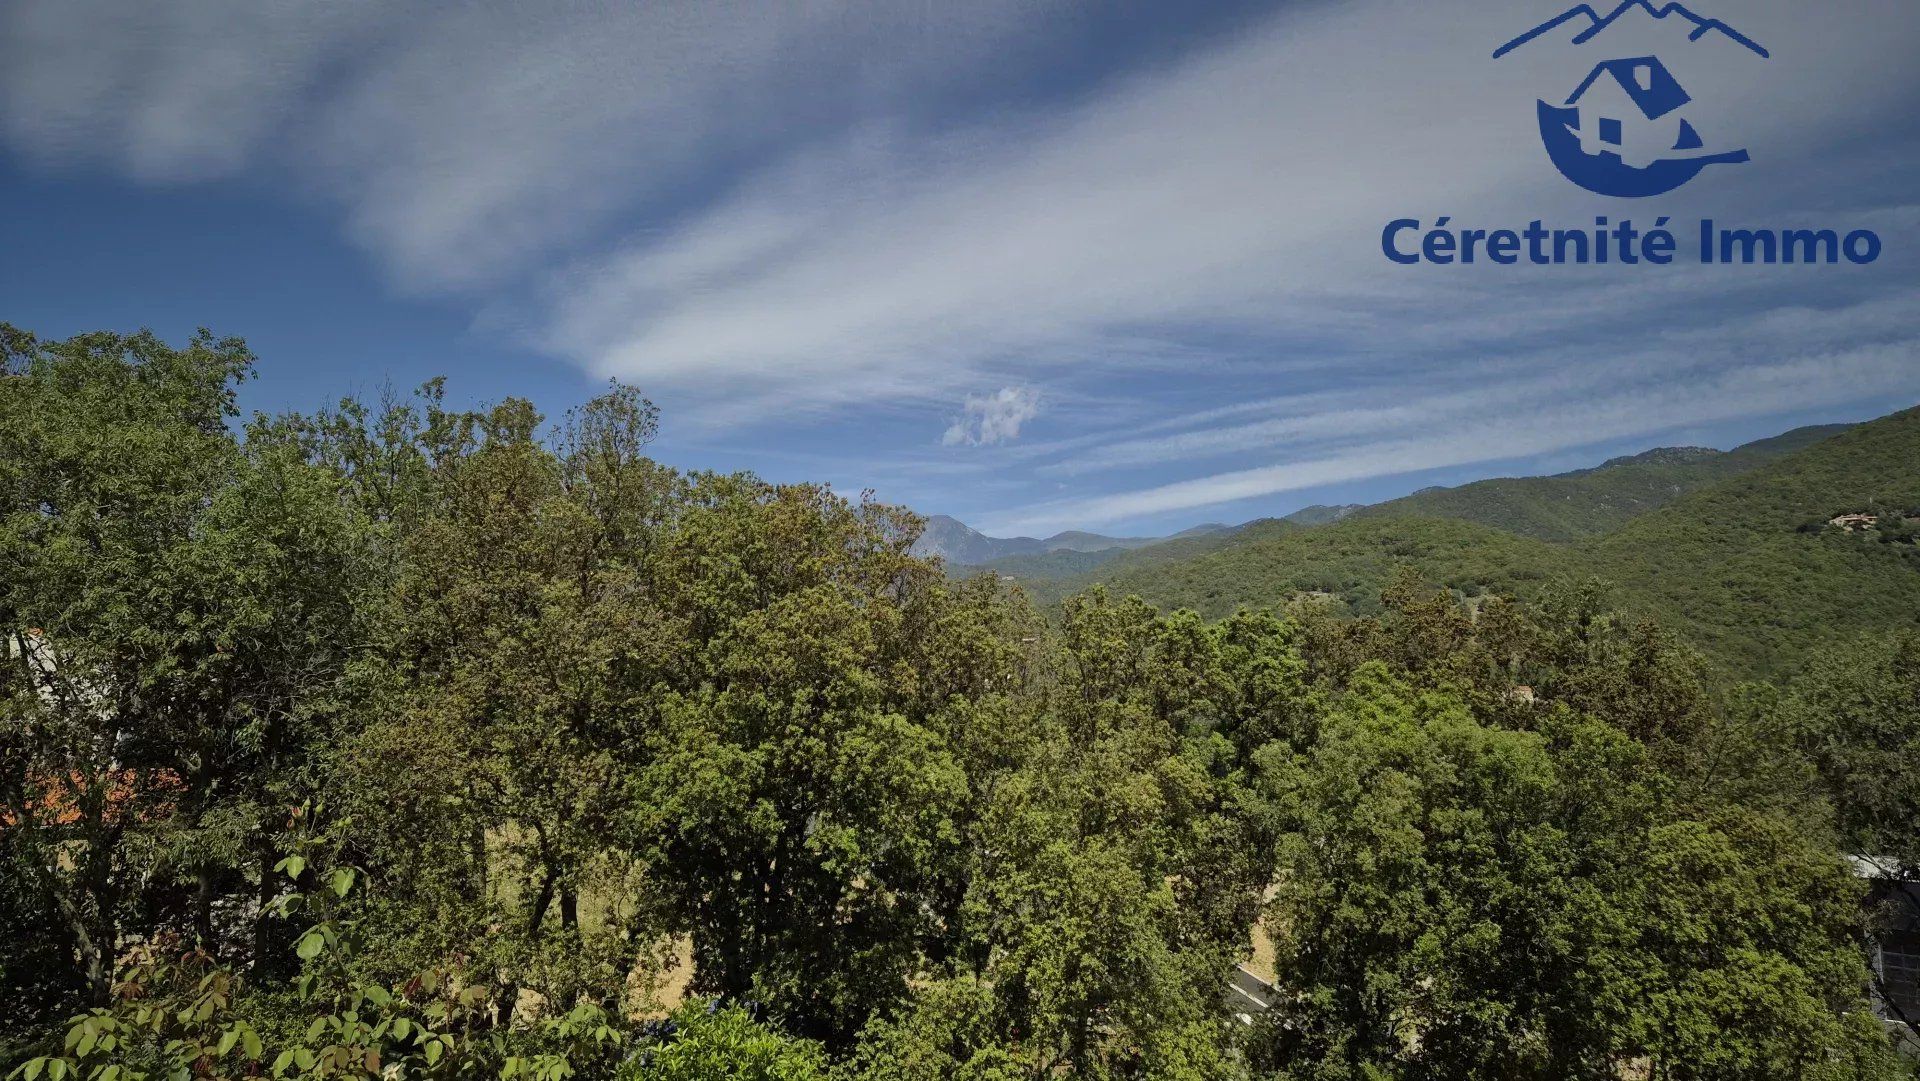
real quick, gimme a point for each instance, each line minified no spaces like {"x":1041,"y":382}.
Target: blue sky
{"x":1036,"y":265}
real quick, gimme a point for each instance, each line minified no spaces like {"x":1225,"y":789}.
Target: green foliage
{"x":1857,"y":716}
{"x":1468,"y":901}
{"x":1594,"y":502}
{"x":1346,"y":563}
{"x":712,"y":1042}
{"x":177,"y":1014}
{"x":1726,"y":565}
{"x":415,"y":741}
{"x":1726,"y":569}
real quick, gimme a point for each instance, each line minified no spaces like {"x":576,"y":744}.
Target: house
{"x":1630,"y":108}
{"x":1854,"y":523}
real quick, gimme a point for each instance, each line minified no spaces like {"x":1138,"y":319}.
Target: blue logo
{"x":1623,"y":131}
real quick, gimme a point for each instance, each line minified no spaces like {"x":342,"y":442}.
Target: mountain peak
{"x":956,"y":542}
{"x":1656,"y":456}
{"x":1320,"y":514}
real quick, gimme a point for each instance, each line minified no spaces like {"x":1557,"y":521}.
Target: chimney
{"x":1643,"y":74}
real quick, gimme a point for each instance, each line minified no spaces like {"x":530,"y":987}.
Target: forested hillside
{"x":1591,"y":502}
{"x":1043,"y":573}
{"x":418,"y":741}
{"x":1745,"y":567}
{"x":1567,"y":506}
{"x":1346,"y":563}
{"x":1748,"y":569}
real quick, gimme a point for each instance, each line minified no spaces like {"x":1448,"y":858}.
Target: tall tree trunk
{"x":269,"y":961}
{"x":509,"y":996}
{"x":203,"y":909}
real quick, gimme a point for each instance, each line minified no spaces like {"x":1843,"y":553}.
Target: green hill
{"x":1346,"y":562}
{"x":1043,"y":573}
{"x":1565,"y":507}
{"x":1043,"y":579}
{"x":1744,"y":567}
{"x":1592,"y":502}
{"x":1040,"y":566}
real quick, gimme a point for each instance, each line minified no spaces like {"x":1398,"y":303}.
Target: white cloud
{"x":468,"y":142}
{"x":993,"y":418}
{"x":747,"y":207}
{"x":1808,"y":381}
{"x":171,"y":91}
{"x":1244,"y":187}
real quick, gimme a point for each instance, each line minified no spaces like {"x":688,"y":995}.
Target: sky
{"x":1037,"y":265}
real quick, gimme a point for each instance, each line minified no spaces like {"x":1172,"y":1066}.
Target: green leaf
{"x":281,"y":1063}
{"x":294,"y":865}
{"x":342,"y":881}
{"x":250,"y":1042}
{"x":310,"y":945}
{"x":227,"y":1040}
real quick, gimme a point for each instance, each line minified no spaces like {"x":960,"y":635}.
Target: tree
{"x":179,"y":614}
{"x":795,"y":803}
{"x":1460,"y":900}
{"x":1857,"y":716}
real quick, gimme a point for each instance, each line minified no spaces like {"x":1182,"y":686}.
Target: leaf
{"x":434,"y":1051}
{"x":293,"y":865}
{"x":281,"y":1063}
{"x":250,"y":1041}
{"x":310,"y":945}
{"x":227,"y":1040}
{"x":342,"y":881}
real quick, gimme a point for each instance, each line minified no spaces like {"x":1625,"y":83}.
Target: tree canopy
{"x":401,"y":739}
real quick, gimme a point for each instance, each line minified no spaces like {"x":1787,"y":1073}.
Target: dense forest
{"x":1734,"y":551}
{"x":401,"y":740}
{"x":1564,"y":507}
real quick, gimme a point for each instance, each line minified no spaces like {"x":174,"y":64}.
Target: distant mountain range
{"x":1590,"y":502}
{"x":1074,"y":551}
{"x":1732,"y":550}
{"x":1566,"y":506}
{"x":956,"y":542}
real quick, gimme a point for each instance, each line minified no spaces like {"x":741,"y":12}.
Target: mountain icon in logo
{"x":1596,"y":25}
{"x":1622,"y":131}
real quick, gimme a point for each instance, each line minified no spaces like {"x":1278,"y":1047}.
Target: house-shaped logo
{"x":1623,"y":131}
